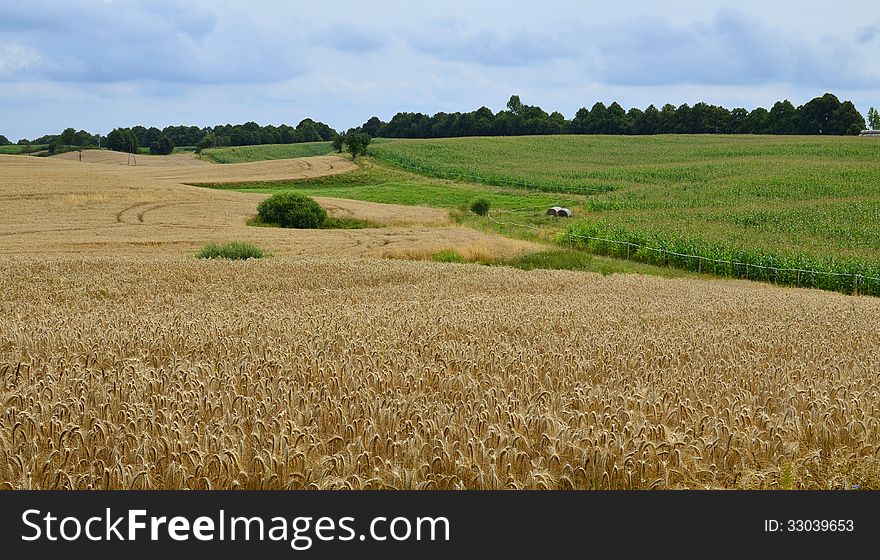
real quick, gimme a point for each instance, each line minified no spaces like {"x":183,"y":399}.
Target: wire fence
{"x":858,"y":285}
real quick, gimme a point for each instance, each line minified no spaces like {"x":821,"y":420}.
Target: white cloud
{"x":15,"y":59}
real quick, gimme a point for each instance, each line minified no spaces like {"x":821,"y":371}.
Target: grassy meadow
{"x":246,"y":154}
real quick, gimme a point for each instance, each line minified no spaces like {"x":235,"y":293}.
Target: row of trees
{"x":248,"y":134}
{"x":70,"y":137}
{"x":822,"y":115}
{"x":129,"y":139}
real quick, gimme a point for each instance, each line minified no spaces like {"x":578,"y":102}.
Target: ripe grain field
{"x":127,"y":363}
{"x":325,"y":372}
{"x":104,"y":206}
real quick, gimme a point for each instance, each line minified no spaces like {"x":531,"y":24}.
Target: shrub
{"x":448,"y":256}
{"x":207,"y":141}
{"x":292,"y":210}
{"x":236,"y":250}
{"x":163,"y":147}
{"x":480,"y":207}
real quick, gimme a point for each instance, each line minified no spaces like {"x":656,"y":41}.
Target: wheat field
{"x":102,"y":206}
{"x":328,"y":372}
{"x":127,"y":363}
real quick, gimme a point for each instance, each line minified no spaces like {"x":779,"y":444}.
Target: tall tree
{"x":163,"y":147}
{"x":616,"y":122}
{"x":756,"y":122}
{"x":650,"y":121}
{"x":139,"y":132}
{"x":514,"y":105}
{"x":816,"y":114}
{"x":338,"y":142}
{"x":372,"y":127}
{"x":873,"y":119}
{"x":122,"y":140}
{"x":357,"y":142}
{"x":68,"y":137}
{"x":580,"y":124}
{"x":598,"y":119}
{"x":666,"y":119}
{"x":208,"y":141}
{"x":783,"y":118}
{"x":846,"y":120}
{"x":484,"y":119}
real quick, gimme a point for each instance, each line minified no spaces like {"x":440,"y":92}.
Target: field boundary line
{"x":720,"y":261}
{"x":630,"y":245}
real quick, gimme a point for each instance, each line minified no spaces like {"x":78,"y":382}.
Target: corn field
{"x":767,"y":195}
{"x":854,"y":276}
{"x":323,"y":372}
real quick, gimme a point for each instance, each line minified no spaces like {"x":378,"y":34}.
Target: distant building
{"x":872,"y":133}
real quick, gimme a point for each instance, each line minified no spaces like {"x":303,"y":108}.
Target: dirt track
{"x":102,"y":205}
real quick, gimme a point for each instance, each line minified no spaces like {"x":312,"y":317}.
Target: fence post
{"x":856,"y":283}
{"x":627,"y":251}
{"x":799,"y":278}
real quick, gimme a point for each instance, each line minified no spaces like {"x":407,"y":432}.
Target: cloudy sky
{"x":97,"y":64}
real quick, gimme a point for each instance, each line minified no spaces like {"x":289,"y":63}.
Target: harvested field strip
{"x":150,"y":211}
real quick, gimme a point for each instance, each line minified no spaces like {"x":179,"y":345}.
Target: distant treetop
{"x":825,"y":115}
{"x":822,"y":115}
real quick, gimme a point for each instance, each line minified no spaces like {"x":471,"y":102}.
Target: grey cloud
{"x":452,"y":40}
{"x":124,"y":40}
{"x":135,"y":20}
{"x":350,"y":39}
{"x":732,"y":49}
{"x":868,"y":34}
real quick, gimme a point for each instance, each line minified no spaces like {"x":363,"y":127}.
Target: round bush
{"x":480,"y":207}
{"x":292,"y":210}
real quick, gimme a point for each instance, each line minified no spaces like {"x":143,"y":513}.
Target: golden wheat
{"x":50,"y":206}
{"x":301,"y":372}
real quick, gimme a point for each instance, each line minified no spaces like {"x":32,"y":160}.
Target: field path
{"x":102,"y":205}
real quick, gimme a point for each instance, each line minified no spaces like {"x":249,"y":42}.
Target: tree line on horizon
{"x":824,"y":115}
{"x":159,"y":140}
{"x":821,"y":115}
